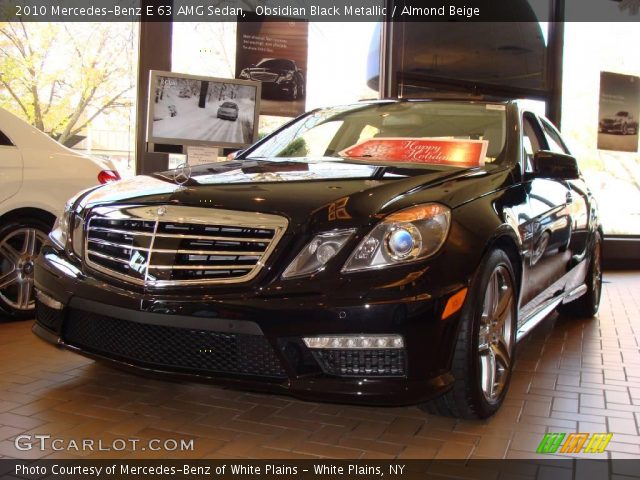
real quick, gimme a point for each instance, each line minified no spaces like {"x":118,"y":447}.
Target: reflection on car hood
{"x":300,"y":190}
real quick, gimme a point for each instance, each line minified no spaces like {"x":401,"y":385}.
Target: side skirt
{"x":546,"y":308}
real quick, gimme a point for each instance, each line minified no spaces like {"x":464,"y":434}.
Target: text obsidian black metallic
{"x":404,"y":273}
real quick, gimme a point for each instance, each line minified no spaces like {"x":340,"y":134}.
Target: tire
{"x":20,"y":243}
{"x":490,"y":311}
{"x":294,"y":91}
{"x":588,"y":304}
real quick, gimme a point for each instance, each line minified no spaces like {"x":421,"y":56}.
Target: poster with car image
{"x":274,"y":53}
{"x":619,"y":109}
{"x":194,"y":110}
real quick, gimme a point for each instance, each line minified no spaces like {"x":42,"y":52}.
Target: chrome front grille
{"x":264,"y":76}
{"x":171,"y":245}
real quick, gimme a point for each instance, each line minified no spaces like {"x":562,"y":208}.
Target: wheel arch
{"x":29,"y":212}
{"x":505,"y":241}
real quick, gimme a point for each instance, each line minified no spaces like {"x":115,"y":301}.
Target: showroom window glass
{"x":334,"y":74}
{"x":433,"y":56}
{"x":609,"y":159}
{"x":76,"y":82}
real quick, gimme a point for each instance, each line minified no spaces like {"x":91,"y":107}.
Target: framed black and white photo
{"x":195,"y":110}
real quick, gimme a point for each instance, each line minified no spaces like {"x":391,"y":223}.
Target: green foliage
{"x":61,"y":76}
{"x":296,"y":148}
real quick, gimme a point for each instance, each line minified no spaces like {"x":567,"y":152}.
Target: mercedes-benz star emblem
{"x":161,"y":211}
{"x":182,"y":174}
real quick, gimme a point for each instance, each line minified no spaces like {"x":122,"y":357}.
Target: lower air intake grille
{"x":48,"y":316}
{"x":170,"y":348}
{"x":357,"y":362}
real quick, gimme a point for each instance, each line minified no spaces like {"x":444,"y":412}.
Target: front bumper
{"x":228,"y":116}
{"x":610,"y":127}
{"x":278,"y":88}
{"x":248,"y":340}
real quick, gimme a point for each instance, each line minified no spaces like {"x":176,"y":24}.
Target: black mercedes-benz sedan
{"x":388,"y":252}
{"x":278,"y":76}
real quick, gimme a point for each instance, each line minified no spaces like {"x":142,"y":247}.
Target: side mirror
{"x":554,"y":165}
{"x":233,"y":155}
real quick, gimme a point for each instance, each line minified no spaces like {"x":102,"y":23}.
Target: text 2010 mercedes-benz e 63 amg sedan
{"x":389,"y":252}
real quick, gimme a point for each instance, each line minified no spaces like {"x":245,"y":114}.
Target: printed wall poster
{"x":274,"y":53}
{"x":619,"y":109}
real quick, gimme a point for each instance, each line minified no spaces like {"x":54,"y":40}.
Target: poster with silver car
{"x":619,"y":109}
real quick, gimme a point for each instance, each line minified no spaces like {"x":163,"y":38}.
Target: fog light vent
{"x":47,"y":316}
{"x":363,"y":362}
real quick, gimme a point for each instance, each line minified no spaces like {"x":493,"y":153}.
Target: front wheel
{"x":485,"y":348}
{"x":293,"y":94}
{"x":20,"y":243}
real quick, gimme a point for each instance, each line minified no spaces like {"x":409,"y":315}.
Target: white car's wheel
{"x":20,"y":243}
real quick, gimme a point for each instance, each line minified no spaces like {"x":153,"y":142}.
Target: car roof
{"x":445,"y":98}
{"x":276,"y":58}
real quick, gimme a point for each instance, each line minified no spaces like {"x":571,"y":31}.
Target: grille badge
{"x":182,"y":174}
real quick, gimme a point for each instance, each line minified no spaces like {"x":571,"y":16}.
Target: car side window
{"x":4,"y":140}
{"x":532,"y":140}
{"x":553,"y":139}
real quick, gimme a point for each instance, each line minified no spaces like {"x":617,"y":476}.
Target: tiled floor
{"x":572,"y":376}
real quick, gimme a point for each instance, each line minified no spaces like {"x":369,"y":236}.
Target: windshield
{"x":276,"y":64}
{"x":443,"y":133}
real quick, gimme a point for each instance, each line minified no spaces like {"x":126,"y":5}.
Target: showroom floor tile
{"x":572,"y":375}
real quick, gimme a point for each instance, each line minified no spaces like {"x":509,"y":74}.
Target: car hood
{"x":327,"y":194}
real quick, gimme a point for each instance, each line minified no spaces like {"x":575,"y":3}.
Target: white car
{"x":37,"y":177}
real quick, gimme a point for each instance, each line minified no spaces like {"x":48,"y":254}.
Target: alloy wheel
{"x":18,"y":251}
{"x":495,"y":337}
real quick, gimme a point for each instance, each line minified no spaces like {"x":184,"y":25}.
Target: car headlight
{"x":70,"y":226}
{"x":285,"y":78}
{"x":405,"y":236}
{"x":60,"y":233}
{"x":317,"y":253}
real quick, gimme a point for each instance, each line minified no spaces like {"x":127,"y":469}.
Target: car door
{"x":10,"y":168}
{"x":548,"y":224}
{"x":578,"y":209}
